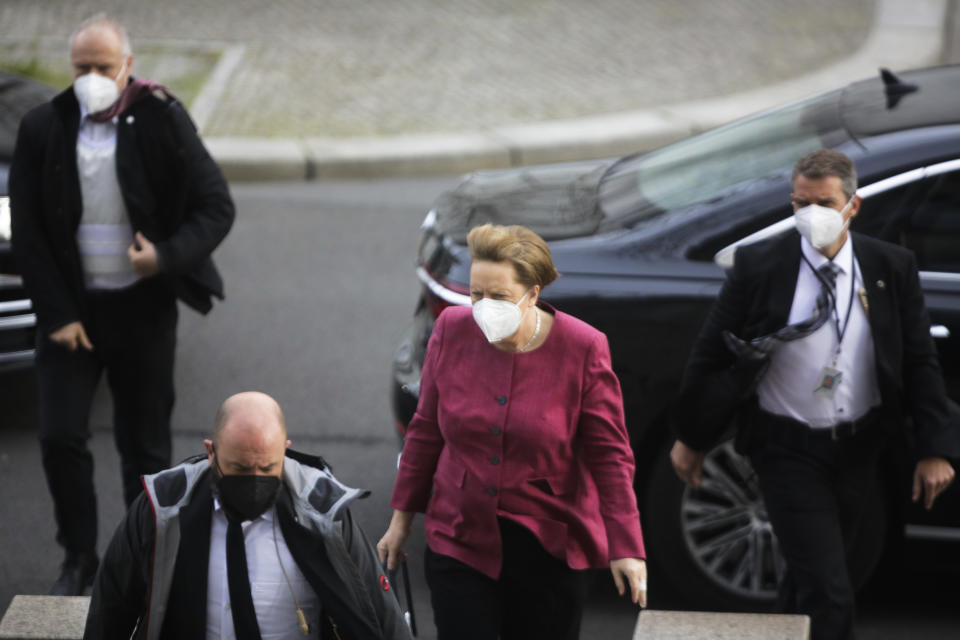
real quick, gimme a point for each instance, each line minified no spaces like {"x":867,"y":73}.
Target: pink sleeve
{"x":423,"y":442}
{"x":607,"y":452}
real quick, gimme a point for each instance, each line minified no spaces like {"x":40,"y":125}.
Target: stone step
{"x":63,"y":618}
{"x":45,"y":618}
{"x":702,"y":625}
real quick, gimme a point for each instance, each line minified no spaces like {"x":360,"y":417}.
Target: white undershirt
{"x":797,"y":366}
{"x":104,"y":234}
{"x":276,"y":613}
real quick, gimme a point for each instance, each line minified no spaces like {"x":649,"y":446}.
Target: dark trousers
{"x":536,"y":595}
{"x":817,"y":492}
{"x":133,"y":332}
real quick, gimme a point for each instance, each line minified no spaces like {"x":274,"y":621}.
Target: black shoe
{"x":76,"y":574}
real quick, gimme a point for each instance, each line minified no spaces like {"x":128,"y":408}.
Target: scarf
{"x":135,"y":91}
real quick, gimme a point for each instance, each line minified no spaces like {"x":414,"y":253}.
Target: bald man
{"x":251,"y":540}
{"x":116,"y":208}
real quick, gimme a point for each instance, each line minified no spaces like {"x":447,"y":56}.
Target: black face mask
{"x":244,"y":497}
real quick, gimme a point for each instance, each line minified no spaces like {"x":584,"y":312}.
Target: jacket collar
{"x":783,"y":276}
{"x":66,"y":101}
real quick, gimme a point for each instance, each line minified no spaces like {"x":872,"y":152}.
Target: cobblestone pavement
{"x":343,"y":68}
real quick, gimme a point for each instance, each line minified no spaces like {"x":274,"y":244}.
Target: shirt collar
{"x":266,"y":515}
{"x":843,"y":259}
{"x":84,"y":113}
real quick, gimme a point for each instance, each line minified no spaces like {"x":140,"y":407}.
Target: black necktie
{"x":759,"y":349}
{"x":241,"y":601}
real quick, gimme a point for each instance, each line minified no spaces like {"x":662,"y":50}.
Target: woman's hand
{"x":634,"y":571}
{"x":390,"y":547}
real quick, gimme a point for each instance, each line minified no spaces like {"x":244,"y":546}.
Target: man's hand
{"x":930,"y":478}
{"x":72,"y":336}
{"x":390,"y":547}
{"x":634,"y":571}
{"x":143,"y":256}
{"x":688,"y":463}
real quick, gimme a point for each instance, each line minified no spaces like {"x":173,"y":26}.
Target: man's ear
{"x":128,"y":70}
{"x":208,"y":445}
{"x":854,"y":206}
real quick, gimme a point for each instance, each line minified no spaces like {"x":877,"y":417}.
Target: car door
{"x":920,"y":210}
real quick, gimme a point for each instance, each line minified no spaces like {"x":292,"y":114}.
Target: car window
{"x":934,"y":229}
{"x":919,"y":209}
{"x":716,"y":164}
{"x":923,"y":216}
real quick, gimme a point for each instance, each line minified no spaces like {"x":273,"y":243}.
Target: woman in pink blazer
{"x":518,"y":455}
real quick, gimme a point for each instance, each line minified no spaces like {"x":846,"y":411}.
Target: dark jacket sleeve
{"x":46,"y":285}
{"x":715,"y":382}
{"x":120,"y":590}
{"x":384,"y":600}
{"x":208,"y":210}
{"x":936,"y":427}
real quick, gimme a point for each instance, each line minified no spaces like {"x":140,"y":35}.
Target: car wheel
{"x":714,"y":545}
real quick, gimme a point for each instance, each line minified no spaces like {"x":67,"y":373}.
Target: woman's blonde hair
{"x":521,"y":247}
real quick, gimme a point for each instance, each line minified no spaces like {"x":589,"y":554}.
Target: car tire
{"x":714,"y":547}
{"x":706,"y":562}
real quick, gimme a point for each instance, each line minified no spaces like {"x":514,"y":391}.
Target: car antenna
{"x":895,"y":88}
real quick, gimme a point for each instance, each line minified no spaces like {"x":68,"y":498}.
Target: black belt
{"x":784,"y":429}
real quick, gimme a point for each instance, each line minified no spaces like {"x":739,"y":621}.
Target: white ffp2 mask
{"x":97,"y":92}
{"x":821,"y":226}
{"x":498,"y":319}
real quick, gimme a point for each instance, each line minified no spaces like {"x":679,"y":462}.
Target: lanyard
{"x":836,"y":315}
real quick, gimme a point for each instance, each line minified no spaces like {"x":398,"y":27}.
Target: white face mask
{"x":96,"y":92}
{"x":498,"y":319}
{"x":821,"y":226}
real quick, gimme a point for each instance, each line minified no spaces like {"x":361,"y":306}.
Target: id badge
{"x":829,"y":381}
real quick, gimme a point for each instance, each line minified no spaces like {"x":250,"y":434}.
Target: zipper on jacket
{"x":333,"y":627}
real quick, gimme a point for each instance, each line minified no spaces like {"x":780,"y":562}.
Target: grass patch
{"x":184,"y":70}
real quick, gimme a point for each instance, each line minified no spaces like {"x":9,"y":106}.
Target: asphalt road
{"x":319,"y":288}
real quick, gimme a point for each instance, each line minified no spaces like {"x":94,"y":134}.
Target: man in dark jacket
{"x":252,"y":540}
{"x":116,"y":208}
{"x":820,"y":344}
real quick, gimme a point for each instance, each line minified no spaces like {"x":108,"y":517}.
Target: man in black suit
{"x":819,"y":345}
{"x":116,"y":208}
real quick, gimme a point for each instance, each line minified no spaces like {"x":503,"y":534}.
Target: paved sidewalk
{"x":306,"y":89}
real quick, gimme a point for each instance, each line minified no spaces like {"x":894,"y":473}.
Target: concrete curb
{"x":906,"y":34}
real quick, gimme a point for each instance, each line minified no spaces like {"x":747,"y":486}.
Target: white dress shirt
{"x":104,"y":234}
{"x":796,"y":368}
{"x":276,"y":613}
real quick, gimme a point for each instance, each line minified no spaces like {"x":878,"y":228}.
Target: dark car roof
{"x":581,"y":199}
{"x":17,"y":96}
{"x":924,"y":98}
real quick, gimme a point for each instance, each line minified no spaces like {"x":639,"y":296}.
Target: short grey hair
{"x":103,"y":20}
{"x":827,"y":163}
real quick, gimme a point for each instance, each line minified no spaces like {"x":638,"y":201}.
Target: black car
{"x":17,"y":321}
{"x":642,"y":242}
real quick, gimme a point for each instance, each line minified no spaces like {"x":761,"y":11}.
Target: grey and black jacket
{"x":148,"y":585}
